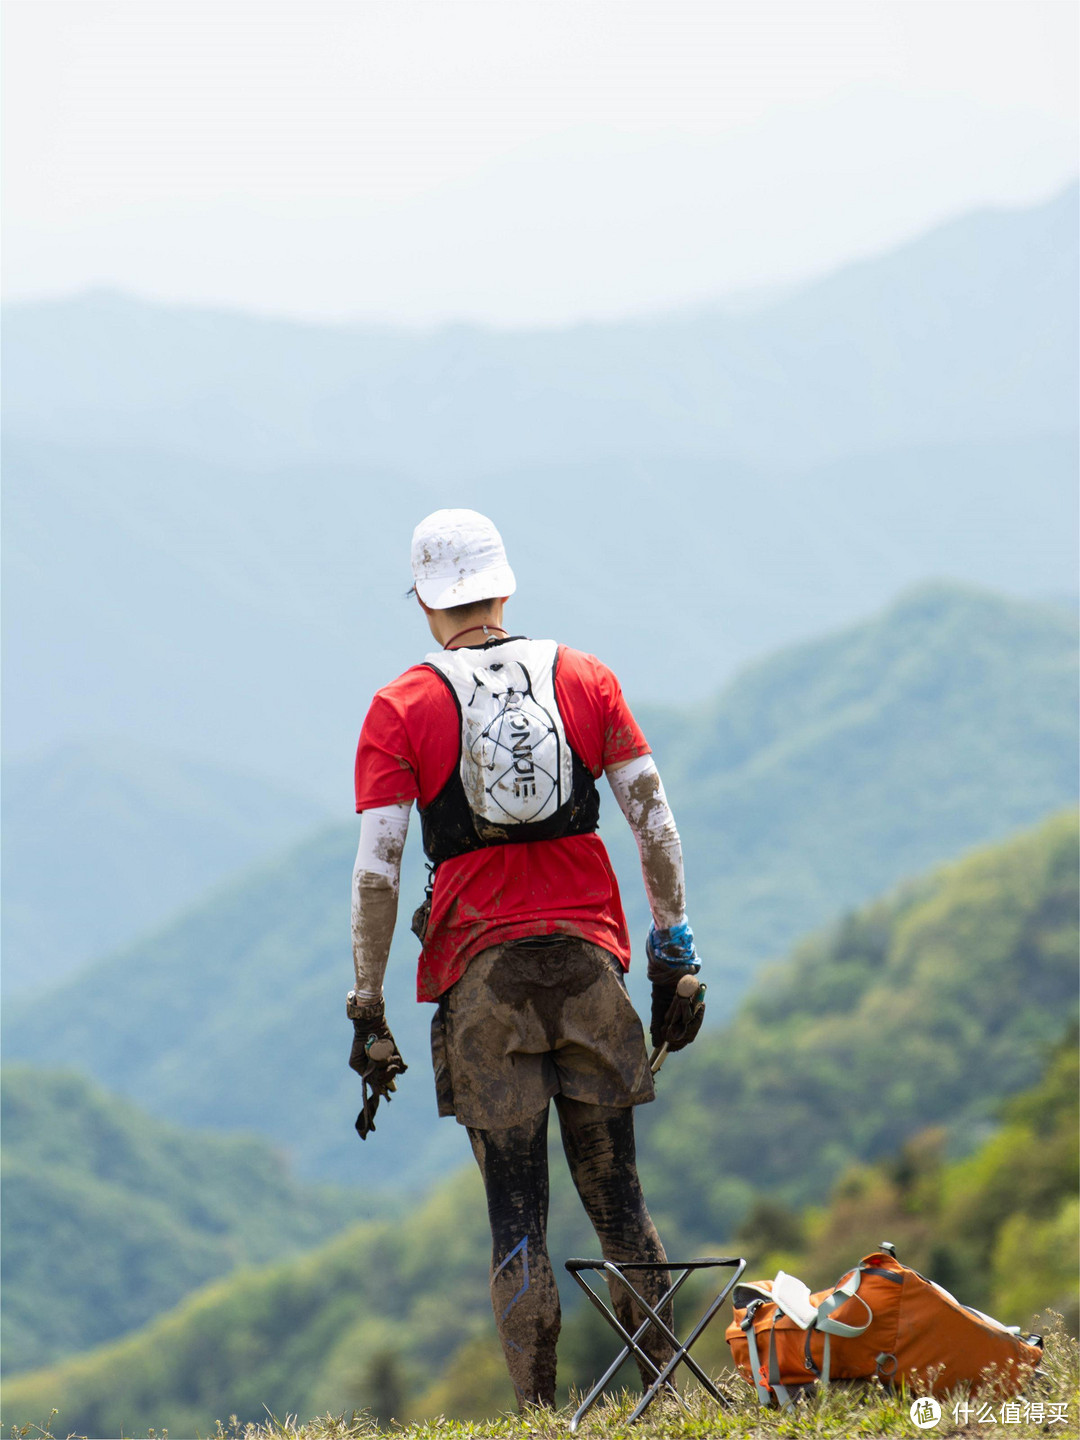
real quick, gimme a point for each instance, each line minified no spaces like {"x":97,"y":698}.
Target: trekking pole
{"x":689,"y":988}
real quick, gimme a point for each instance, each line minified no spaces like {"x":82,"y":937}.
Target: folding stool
{"x":632,"y":1346}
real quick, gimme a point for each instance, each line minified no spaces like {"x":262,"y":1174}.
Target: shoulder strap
{"x":782,"y":1393}
{"x":757,"y":1370}
{"x":823,"y":1322}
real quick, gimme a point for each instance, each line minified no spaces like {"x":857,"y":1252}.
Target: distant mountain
{"x":823,"y":775}
{"x":105,"y":841}
{"x":235,"y":614}
{"x":110,"y":1217}
{"x":250,"y":616}
{"x":929,"y":1006}
{"x":817,"y":780}
{"x":207,"y":516}
{"x":967,"y":333}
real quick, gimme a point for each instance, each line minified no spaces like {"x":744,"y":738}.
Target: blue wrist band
{"x":674,"y":946}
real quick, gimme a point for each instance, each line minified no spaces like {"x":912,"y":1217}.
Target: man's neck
{"x":478,"y":634}
{"x":452,"y":633}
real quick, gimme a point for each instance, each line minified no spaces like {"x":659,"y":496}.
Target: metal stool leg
{"x":682,"y":1354}
{"x":668,"y":1335}
{"x":631,"y":1346}
{"x":662,"y":1375}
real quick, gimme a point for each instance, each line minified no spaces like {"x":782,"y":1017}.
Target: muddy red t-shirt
{"x":409,"y":747}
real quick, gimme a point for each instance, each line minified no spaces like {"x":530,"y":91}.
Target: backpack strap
{"x":840,"y":1296}
{"x":779,"y":1390}
{"x":747,"y":1327}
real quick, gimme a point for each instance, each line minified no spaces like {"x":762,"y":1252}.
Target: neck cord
{"x":470,"y":628}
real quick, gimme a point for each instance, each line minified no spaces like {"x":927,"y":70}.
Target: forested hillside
{"x":922,"y":1009}
{"x":815,"y":782}
{"x":110,"y":1217}
{"x":105,"y":841}
{"x":999,"y":1228}
{"x":296,"y":1338}
{"x":929,"y":1007}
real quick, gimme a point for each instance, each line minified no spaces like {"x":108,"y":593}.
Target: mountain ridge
{"x":200,"y":511}
{"x":861,"y":303}
{"x":279,"y":593}
{"x":971,"y":734}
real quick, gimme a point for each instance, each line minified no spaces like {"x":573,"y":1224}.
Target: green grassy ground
{"x":864,"y":1412}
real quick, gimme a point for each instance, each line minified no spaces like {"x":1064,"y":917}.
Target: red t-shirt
{"x":409,"y":747}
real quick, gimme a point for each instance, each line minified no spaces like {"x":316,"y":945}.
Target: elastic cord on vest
{"x":468,"y":630}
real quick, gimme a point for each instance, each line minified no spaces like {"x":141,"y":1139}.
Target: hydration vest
{"x":517,"y":778}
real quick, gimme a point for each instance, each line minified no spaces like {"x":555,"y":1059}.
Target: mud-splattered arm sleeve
{"x":639,"y":791}
{"x":375,"y":883}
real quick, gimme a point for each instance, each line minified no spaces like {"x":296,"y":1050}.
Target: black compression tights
{"x":599,"y":1144}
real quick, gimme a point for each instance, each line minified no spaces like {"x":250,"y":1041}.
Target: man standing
{"x":499,"y":740}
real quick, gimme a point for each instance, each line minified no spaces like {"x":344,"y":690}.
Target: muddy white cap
{"x":458,"y":557}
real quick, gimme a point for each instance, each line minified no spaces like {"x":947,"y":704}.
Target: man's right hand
{"x":374,"y":1056}
{"x":676,"y":1019}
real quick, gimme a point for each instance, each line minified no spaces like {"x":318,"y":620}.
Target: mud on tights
{"x":599,"y":1145}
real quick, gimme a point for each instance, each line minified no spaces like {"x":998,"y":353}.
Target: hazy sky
{"x":510,"y":161}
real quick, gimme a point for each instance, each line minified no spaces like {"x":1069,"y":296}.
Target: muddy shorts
{"x":535,"y":1018}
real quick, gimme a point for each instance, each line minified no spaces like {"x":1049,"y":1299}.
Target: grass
{"x":842,"y":1413}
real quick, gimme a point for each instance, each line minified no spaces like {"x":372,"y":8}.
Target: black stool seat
{"x":632,"y":1343}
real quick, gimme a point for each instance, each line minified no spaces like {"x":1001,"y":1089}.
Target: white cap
{"x":458,"y":557}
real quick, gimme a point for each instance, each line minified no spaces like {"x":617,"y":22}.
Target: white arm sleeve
{"x":375,"y":883}
{"x":638,"y":789}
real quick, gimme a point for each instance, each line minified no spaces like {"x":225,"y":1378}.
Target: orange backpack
{"x":882,"y":1319}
